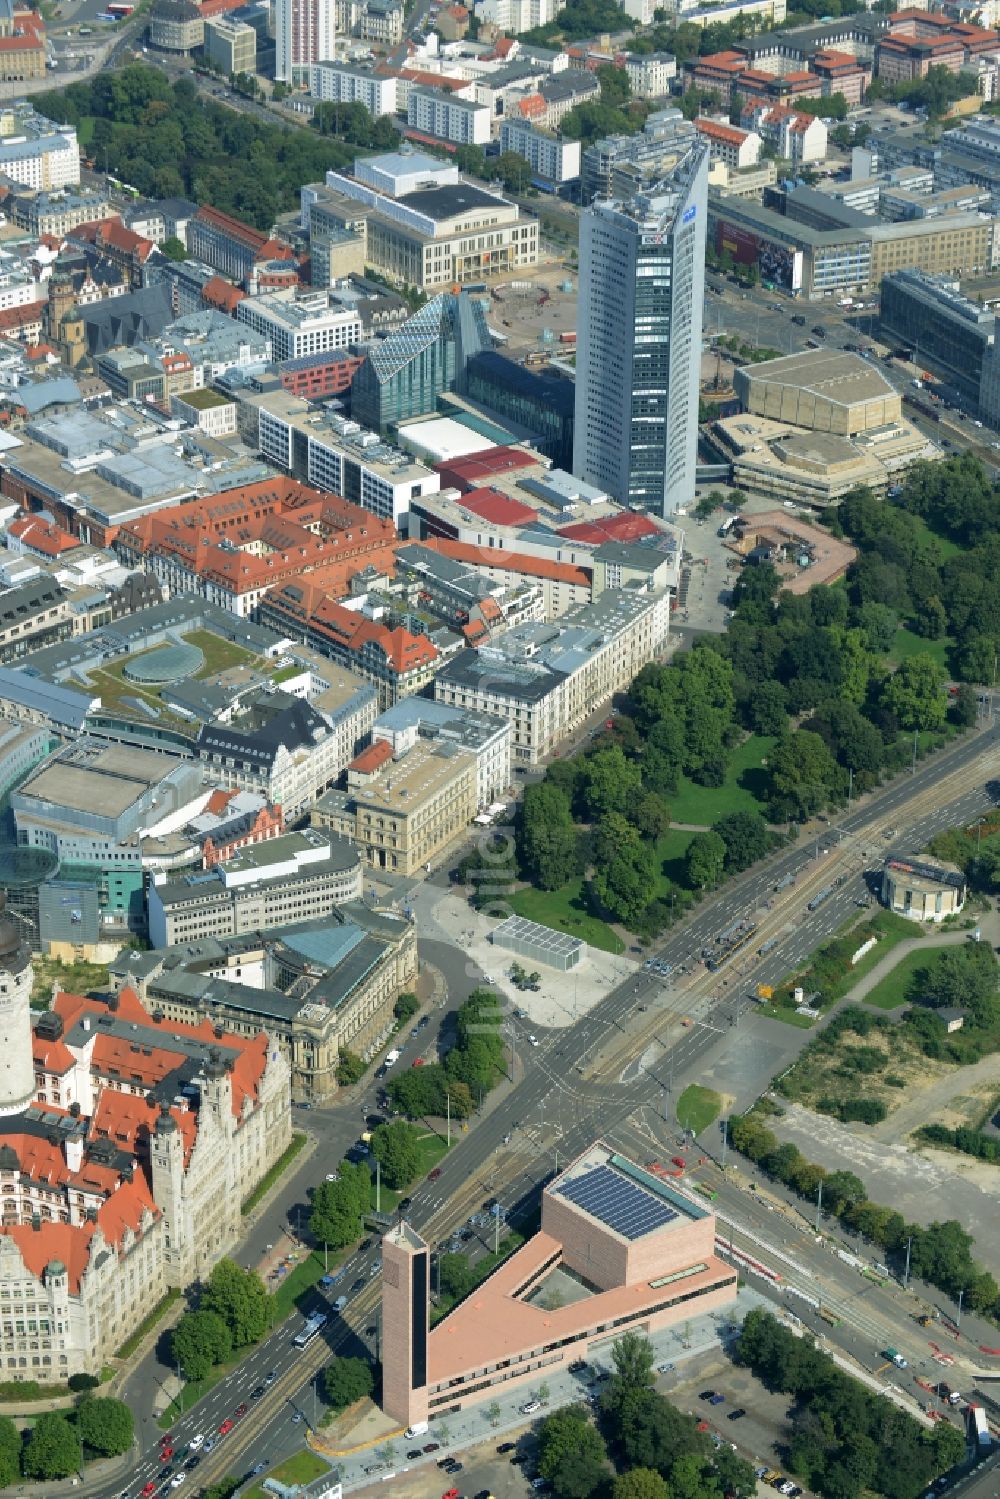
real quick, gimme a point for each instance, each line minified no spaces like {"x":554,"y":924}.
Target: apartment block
{"x":439,"y":114}
{"x":552,"y":159}
{"x":346,"y":83}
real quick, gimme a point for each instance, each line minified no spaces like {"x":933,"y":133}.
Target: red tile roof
{"x":717,"y":132}
{"x":499,"y":509}
{"x":626,"y":526}
{"x":372,"y":759}
{"x":469,"y":473}
{"x":21,"y":317}
{"x":64,"y":1242}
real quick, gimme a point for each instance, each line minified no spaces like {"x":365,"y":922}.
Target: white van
{"x":419,"y":1430}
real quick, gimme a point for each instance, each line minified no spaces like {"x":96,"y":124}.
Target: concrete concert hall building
{"x":618,"y":1249}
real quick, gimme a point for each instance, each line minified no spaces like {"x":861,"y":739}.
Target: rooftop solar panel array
{"x":624,"y":1207}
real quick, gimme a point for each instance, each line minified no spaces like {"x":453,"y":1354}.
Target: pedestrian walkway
{"x":895,"y":956}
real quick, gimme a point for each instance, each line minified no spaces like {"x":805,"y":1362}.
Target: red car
{"x":226,"y":1427}
{"x":451,"y":1494}
{"x":148,"y":1488}
{"x":432,"y":1176}
{"x":166,"y":1453}
{"x":679,"y":1160}
{"x":419,"y":1062}
{"x":240,"y":1411}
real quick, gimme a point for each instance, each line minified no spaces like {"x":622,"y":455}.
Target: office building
{"x":541,"y":403}
{"x":619,"y":1249}
{"x":297,"y":877}
{"x":229,"y":245}
{"x":305,"y":32}
{"x":350,"y":83}
{"x":553,"y":161}
{"x":317,"y":987}
{"x":642,"y":289}
{"x":333,"y":453}
{"x":305,"y":325}
{"x":547,"y":678}
{"x":437,"y":113}
{"x":126,"y":1173}
{"x":402,"y":810}
{"x":650,"y":73}
{"x":617,"y":165}
{"x":950,"y":335}
{"x":404,"y":374}
{"x":734,"y":148}
{"x":232,"y":45}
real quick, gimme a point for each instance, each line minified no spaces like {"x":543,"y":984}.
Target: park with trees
{"x":801,"y":702}
{"x":58,"y":1443}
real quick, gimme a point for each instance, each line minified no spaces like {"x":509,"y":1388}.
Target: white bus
{"x":312,"y":1329}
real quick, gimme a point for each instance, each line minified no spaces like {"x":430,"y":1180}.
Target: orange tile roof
{"x":42,"y":536}
{"x":532,"y":106}
{"x":52,"y":1056}
{"x":220,"y":293}
{"x":219,"y":800}
{"x":351,"y":632}
{"x":54,"y":1241}
{"x":235,"y":228}
{"x":433,"y":80}
{"x":513,"y":562}
{"x":113,"y":1055}
{"x":128,"y":1120}
{"x":372,"y":759}
{"x":476,"y":632}
{"x":717,"y":132}
{"x":729,"y":62}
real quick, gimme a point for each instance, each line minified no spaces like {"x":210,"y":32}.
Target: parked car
{"x":737,"y":1414}
{"x":530,"y":1407}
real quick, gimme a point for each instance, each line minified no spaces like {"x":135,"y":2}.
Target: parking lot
{"x":758,"y":1434}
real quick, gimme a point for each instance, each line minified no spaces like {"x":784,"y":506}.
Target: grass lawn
{"x":742,"y":791}
{"x":566,"y":911}
{"x":697,"y":1107}
{"x":906,"y":644}
{"x":280,"y":1166}
{"x":483,"y":1268}
{"x":787,"y":1017}
{"x":670,"y":851}
{"x":301,"y":1468}
{"x":431,"y":1148}
{"x":219,"y":654}
{"x":891,"y":992}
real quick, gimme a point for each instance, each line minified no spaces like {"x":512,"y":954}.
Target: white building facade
{"x":339,"y":83}
{"x":549,"y":157}
{"x":449,"y":119}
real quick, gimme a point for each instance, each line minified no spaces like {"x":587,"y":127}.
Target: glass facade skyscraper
{"x":404,"y":374}
{"x":642,"y":292}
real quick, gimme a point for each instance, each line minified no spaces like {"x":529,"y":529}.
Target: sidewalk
{"x":675,"y":1345}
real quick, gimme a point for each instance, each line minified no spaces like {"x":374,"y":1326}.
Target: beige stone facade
{"x":404,"y":817}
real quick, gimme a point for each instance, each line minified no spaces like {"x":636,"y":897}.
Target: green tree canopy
{"x":705,"y":860}
{"x":10,"y":1452}
{"x":548,"y":842}
{"x":346,"y":1380}
{"x":105,"y":1425}
{"x":394,"y":1146}
{"x":199,"y":1341}
{"x":338,"y":1207}
{"x":915,"y":693}
{"x":53,"y":1449}
{"x":640,"y":1483}
{"x":239,"y":1298}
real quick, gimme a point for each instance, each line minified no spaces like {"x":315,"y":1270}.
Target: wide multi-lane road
{"x":596,"y":1078}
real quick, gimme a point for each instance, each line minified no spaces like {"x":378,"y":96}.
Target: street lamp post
{"x":958,"y":1319}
